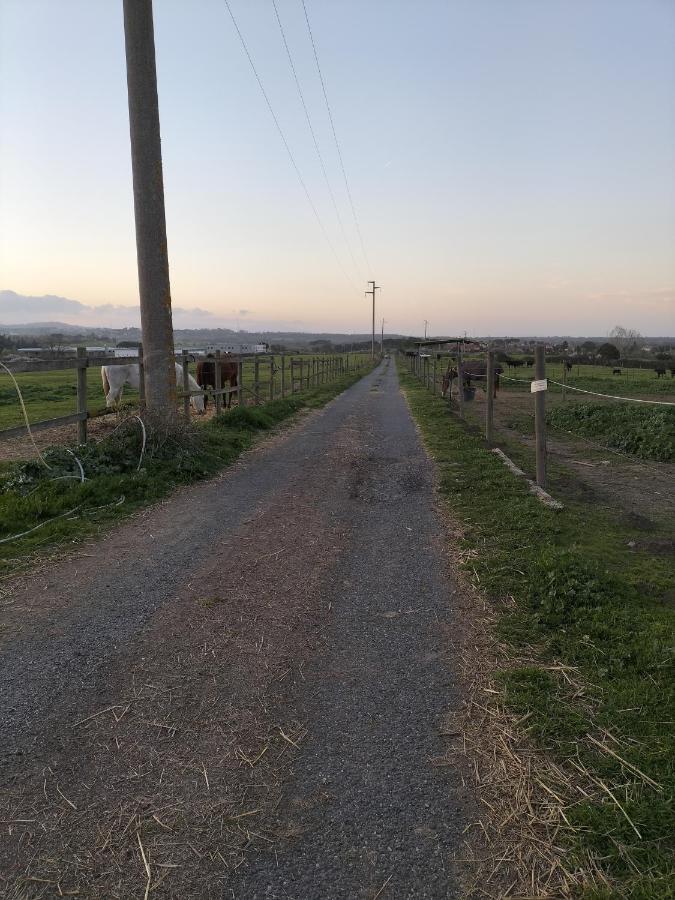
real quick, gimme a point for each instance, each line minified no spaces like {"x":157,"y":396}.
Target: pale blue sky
{"x":512,"y":161}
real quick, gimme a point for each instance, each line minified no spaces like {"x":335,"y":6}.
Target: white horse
{"x":115,"y":377}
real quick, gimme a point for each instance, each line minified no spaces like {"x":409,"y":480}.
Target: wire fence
{"x":503,"y":406}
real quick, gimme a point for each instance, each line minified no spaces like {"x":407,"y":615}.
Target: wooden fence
{"x":271,"y":380}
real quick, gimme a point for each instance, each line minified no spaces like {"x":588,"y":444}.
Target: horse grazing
{"x":115,"y":377}
{"x":569,"y":366}
{"x":472,"y":370}
{"x":616,"y":371}
{"x":206,"y":375}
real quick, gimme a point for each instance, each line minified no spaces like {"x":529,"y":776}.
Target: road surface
{"x":244,"y":691}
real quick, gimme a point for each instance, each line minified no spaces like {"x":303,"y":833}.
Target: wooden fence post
{"x":460,"y":380}
{"x":185,"y":362}
{"x":256,"y":380}
{"x":271,"y":377}
{"x":141,"y":379}
{"x":240,"y":382}
{"x":217,"y":383}
{"x":82,"y":363}
{"x":540,"y":415}
{"x":564,"y":379}
{"x":433,"y":389}
{"x":490,"y":395}
{"x":283,"y":376}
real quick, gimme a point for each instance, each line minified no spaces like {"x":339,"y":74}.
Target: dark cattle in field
{"x":672,"y":371}
{"x":616,"y":371}
{"x":206,"y":376}
{"x":530,"y":361}
{"x":569,"y":365}
{"x":660,"y":370}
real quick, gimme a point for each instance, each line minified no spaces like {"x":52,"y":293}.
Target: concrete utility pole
{"x":375,"y":288}
{"x":151,"y":245}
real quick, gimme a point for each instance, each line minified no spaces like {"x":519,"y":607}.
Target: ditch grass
{"x":584,"y":601}
{"x":68,"y":511}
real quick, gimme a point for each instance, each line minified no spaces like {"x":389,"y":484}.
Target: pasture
{"x":53,"y":393}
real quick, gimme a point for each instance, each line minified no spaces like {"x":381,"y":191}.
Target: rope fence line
{"x":422,"y":368}
{"x":611,"y":396}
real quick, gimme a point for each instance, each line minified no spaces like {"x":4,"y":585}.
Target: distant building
{"x":235,"y":348}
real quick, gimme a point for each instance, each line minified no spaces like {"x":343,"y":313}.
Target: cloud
{"x":654,"y":299}
{"x":245,"y":312}
{"x":19,"y":309}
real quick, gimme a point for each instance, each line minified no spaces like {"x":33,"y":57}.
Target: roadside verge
{"x":568,"y":670}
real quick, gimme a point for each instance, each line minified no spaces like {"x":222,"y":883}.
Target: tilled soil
{"x":242,"y":692}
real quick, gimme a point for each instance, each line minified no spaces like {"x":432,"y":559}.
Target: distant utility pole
{"x":425,"y":329}
{"x":151,"y":245}
{"x":372,"y":292}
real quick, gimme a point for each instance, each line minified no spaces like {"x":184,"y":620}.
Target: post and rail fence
{"x":304,"y":375}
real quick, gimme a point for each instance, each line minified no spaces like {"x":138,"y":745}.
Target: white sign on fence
{"x":540,"y":385}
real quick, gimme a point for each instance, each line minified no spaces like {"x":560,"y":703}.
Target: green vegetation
{"x":65,"y":508}
{"x":583,"y":600}
{"x":647,"y":432}
{"x":633,"y":382}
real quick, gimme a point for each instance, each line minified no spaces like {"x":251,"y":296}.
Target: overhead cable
{"x":335,"y":137}
{"x":316,"y":143}
{"x":288,"y":149}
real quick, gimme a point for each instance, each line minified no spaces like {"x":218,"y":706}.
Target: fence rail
{"x":274,"y":376}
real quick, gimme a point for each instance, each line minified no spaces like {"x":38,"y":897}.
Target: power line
{"x":288,"y":149}
{"x":337,"y":143}
{"x":316,"y":143}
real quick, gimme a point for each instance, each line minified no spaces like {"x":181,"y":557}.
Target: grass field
{"x":631,"y":382}
{"x":583,"y":602}
{"x":639,"y":429}
{"x":48,"y":395}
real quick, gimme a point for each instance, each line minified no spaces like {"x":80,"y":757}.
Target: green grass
{"x":31,"y":494}
{"x":631,"y":382}
{"x":584,"y":600}
{"x":48,"y":395}
{"x":644,"y":431}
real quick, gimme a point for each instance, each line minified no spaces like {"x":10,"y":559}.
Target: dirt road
{"x":243,"y":692}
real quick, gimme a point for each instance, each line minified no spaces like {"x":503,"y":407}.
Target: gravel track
{"x":242,"y":692}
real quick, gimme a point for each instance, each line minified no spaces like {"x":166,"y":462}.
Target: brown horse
{"x":472,"y":369}
{"x":206,"y":376}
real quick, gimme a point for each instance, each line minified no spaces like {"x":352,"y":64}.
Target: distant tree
{"x":623,"y":338}
{"x":609,"y":351}
{"x":7,"y":343}
{"x":663,"y":355}
{"x":589,"y":346}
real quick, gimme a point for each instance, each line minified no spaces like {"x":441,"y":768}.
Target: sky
{"x":511,"y":164}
